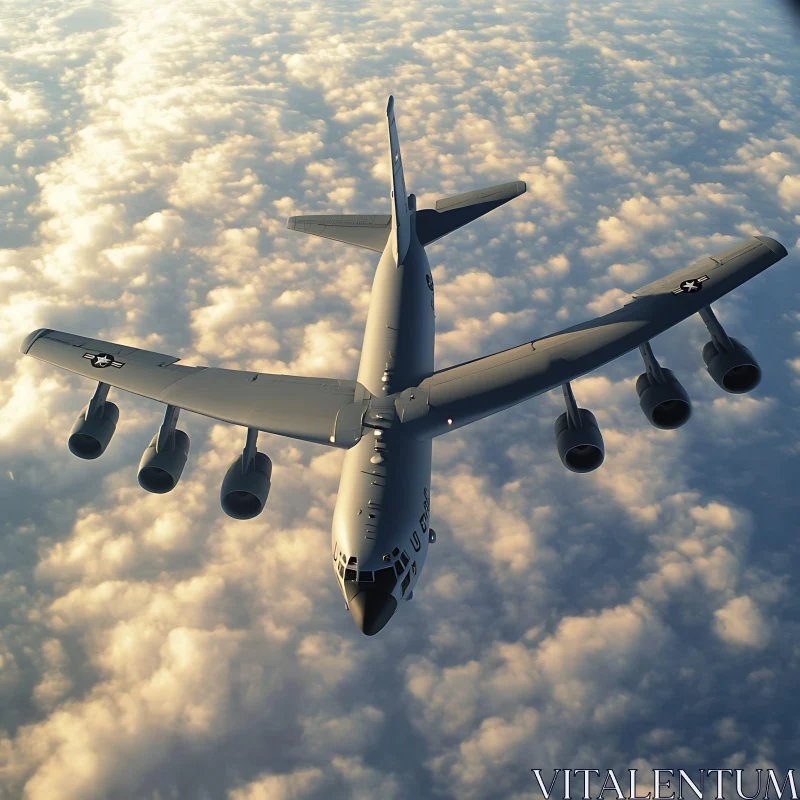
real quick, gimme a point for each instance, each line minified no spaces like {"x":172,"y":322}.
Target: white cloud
{"x":741,"y":623}
{"x":789,"y":191}
{"x":292,"y":786}
{"x":148,"y":158}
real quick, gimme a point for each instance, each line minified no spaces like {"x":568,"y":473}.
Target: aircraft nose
{"x":372,"y":609}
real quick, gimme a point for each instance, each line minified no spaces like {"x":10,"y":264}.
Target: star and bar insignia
{"x":103,"y":360}
{"x":691,"y":286}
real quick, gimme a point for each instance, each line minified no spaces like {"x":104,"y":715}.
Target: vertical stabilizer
{"x":401,"y":226}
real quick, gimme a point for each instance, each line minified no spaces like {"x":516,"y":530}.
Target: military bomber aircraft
{"x":388,"y":416}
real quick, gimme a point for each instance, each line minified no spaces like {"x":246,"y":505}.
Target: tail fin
{"x":401,"y":225}
{"x":374,"y":230}
{"x":454,"y":212}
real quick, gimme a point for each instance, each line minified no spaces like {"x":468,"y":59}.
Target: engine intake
{"x":735,"y":370}
{"x":161,"y":467}
{"x":93,"y":429}
{"x":666,"y":403}
{"x":247,"y":482}
{"x":580,"y":448}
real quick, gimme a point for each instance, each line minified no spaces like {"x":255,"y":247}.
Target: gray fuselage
{"x":383,"y":506}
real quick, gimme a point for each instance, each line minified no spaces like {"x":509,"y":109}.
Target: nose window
{"x":385,"y":579}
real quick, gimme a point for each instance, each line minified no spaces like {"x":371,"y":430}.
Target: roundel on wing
{"x":102,"y":360}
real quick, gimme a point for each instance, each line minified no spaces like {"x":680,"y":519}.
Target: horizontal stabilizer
{"x":362,"y":230}
{"x":454,"y":212}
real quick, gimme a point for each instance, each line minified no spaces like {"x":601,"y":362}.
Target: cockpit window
{"x":396,"y":552}
{"x":406,"y":581}
{"x":405,"y":558}
{"x":385,"y":579}
{"x":398,"y":568}
{"x":352,"y":561}
{"x":341,"y":570}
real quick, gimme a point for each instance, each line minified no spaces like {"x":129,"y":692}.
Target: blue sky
{"x":644,"y":615}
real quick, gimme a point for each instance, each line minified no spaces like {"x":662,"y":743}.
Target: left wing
{"x":454,"y":397}
{"x":321,"y":410}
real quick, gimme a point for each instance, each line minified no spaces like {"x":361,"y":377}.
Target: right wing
{"x":362,"y":230}
{"x":321,"y":410}
{"x":454,"y":397}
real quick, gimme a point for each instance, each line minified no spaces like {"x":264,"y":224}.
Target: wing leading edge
{"x":320,"y":410}
{"x":454,"y":397}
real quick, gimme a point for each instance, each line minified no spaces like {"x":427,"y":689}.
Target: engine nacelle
{"x":736,"y":370}
{"x":580,"y":449}
{"x":666,"y":405}
{"x":244,"y":491}
{"x":92,"y":432}
{"x":160,"y":471}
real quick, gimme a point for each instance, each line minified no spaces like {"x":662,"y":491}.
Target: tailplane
{"x":362,"y":230}
{"x":454,"y":212}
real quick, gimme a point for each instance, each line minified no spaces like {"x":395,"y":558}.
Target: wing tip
{"x":28,"y":341}
{"x":390,"y":105}
{"x":291,"y":223}
{"x":774,"y":245}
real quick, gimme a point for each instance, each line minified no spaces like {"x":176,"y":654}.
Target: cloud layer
{"x":149,"y":155}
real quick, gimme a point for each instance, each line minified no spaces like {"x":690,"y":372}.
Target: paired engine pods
{"x":245,"y":487}
{"x":732,"y":366}
{"x":161,"y":467}
{"x":94,"y":426}
{"x":662,"y":398}
{"x":734,"y":369}
{"x":247,"y":482}
{"x":578,"y":438}
{"x":580,"y":447}
{"x":665,"y":404}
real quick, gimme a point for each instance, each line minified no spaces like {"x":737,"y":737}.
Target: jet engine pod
{"x":581,"y":448}
{"x":159,"y":472}
{"x":736,"y":370}
{"x":666,"y":405}
{"x":91,"y":433}
{"x":244,"y":491}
